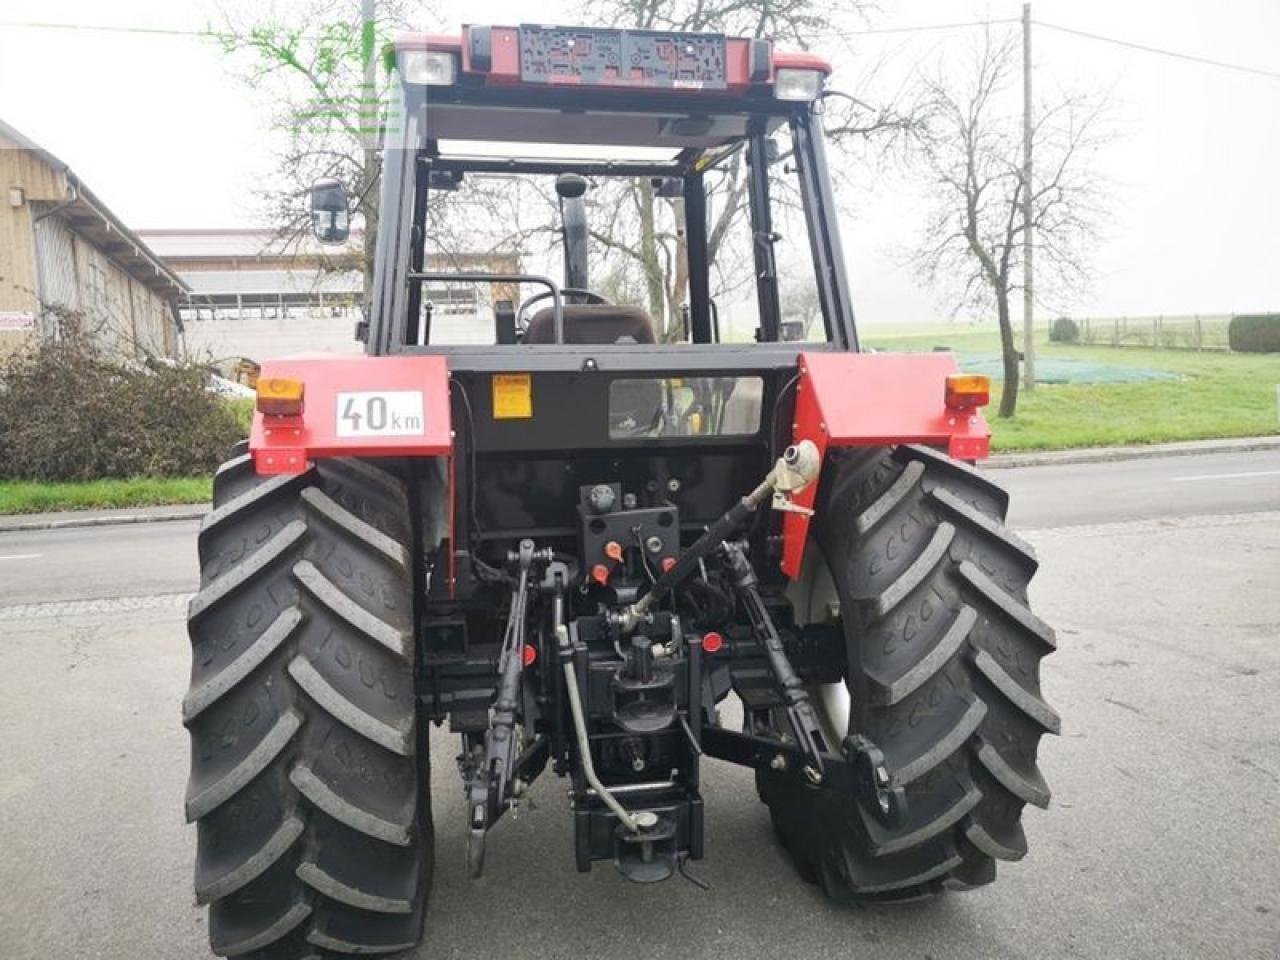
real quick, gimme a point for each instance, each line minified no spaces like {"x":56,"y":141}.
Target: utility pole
{"x":1028,"y":296}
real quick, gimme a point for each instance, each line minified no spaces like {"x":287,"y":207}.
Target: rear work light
{"x":280,"y":396}
{"x":791,"y":83}
{"x":432,"y":68}
{"x":967,"y":391}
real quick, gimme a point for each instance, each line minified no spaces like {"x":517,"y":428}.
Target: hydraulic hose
{"x":705,"y":545}
{"x":796,"y":469}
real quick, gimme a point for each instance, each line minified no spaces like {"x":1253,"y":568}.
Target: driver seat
{"x":592,"y":323}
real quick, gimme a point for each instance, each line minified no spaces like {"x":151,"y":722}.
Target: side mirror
{"x":330,"y":211}
{"x":444,"y":180}
{"x":668,"y":187}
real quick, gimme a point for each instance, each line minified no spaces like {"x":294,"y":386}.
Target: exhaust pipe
{"x":572,"y":190}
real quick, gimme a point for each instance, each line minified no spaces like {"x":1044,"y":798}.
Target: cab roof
{"x":652,"y":90}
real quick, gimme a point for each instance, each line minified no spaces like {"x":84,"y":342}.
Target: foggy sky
{"x":158,"y":129}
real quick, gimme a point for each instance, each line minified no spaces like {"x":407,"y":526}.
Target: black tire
{"x":944,"y":661}
{"x":309,"y":767}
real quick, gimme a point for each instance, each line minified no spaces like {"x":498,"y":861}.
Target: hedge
{"x":67,"y":412}
{"x":1254,"y":333}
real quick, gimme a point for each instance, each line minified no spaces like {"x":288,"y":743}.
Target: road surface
{"x":1163,"y":839}
{"x":159,"y":558}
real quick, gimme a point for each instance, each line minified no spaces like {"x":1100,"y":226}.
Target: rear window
{"x":684,"y":407}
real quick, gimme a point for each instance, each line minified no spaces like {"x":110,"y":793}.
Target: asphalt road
{"x":1160,"y":488}
{"x":1163,"y":839}
{"x":159,"y":558}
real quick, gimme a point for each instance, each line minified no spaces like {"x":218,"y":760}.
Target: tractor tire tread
{"x":356,"y":617}
{"x":253,"y":867}
{"x":311,"y":802}
{"x":279,"y":928}
{"x":398,"y":740}
{"x":317,"y":879}
{"x":212,"y":595}
{"x":324,"y":797}
{"x":201,"y":697}
{"x":211,"y":796}
{"x":944,"y":656}
{"x":888,"y":693}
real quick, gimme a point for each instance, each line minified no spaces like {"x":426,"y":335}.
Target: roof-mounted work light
{"x":791,"y":83}
{"x":433,"y":68}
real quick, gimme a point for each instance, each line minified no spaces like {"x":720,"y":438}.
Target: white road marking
{"x":1232,"y":476}
{"x":1146,"y":527}
{"x":23,"y":556}
{"x":72,"y":608}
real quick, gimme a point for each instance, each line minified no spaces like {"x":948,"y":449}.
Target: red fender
{"x":874,"y":400}
{"x":356,"y":407}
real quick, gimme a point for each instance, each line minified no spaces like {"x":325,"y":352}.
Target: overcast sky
{"x":158,"y":129}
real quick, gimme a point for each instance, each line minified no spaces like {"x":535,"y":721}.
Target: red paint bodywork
{"x":872,"y":400}
{"x":286,"y":444}
{"x":842,"y":400}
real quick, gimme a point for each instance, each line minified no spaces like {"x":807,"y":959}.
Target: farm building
{"x":250,"y":294}
{"x":66,"y":258}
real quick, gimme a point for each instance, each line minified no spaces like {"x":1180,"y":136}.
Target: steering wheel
{"x":590,"y":296}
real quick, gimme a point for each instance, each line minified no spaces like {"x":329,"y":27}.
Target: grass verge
{"x":23,"y":496}
{"x":1216,"y":395}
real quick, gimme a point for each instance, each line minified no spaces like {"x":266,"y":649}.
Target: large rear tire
{"x":309,"y":768}
{"x":944,"y":656}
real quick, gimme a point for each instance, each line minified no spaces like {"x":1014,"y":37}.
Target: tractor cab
{"x":663,"y":166}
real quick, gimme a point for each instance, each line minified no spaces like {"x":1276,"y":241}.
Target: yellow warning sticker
{"x":512,"y":396}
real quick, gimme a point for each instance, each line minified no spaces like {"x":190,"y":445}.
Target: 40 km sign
{"x":381,"y":413}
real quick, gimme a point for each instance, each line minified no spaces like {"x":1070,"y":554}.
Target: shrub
{"x":69,"y":413}
{"x":1064,"y":330}
{"x":242,"y":409}
{"x":1254,"y":333}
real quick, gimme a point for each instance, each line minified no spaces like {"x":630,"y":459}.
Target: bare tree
{"x":972,"y":148}
{"x":320,"y":65}
{"x":647,"y":232}
{"x":800,"y":301}
{"x":311,"y":60}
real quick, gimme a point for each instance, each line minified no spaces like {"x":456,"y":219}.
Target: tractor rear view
{"x":570,"y":528}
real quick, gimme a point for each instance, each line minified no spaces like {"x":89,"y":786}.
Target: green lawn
{"x":30,"y":497}
{"x":1218,"y":394}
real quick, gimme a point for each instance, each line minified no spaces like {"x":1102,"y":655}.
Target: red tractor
{"x":572,"y":529}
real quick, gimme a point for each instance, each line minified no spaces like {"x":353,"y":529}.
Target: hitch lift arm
{"x":800,"y":712}
{"x":491,"y":789}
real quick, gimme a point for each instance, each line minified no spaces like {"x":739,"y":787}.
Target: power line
{"x":1193,"y":58}
{"x":175,"y":32}
{"x":109,"y":28}
{"x":921,"y":28}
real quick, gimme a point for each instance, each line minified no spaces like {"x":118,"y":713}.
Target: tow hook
{"x":883,"y":800}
